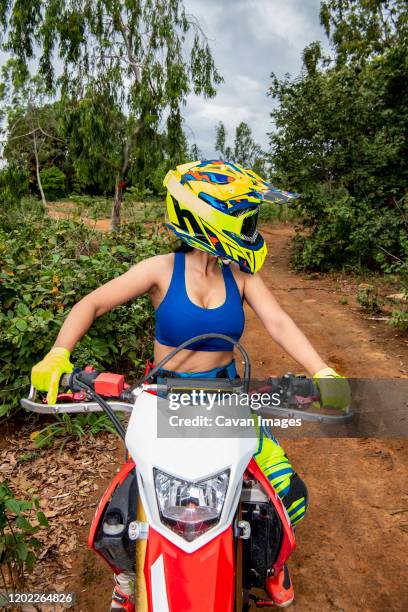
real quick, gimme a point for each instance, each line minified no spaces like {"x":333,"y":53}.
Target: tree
{"x":97,"y":131}
{"x":220,"y":141}
{"x":340,"y":140}
{"x":245,"y":151}
{"x":32,"y":127}
{"x":361,"y":29}
{"x":148,"y":54}
{"x":195,"y":152}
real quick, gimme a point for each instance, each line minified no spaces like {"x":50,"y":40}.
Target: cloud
{"x":249,"y":40}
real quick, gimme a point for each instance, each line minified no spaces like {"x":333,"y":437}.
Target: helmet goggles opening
{"x":249,"y":232}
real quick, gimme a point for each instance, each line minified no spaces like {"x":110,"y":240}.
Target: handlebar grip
{"x":305,"y":387}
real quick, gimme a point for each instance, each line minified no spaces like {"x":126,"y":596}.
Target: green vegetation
{"x":341,"y":141}
{"x":67,"y":428}
{"x":18,"y":546}
{"x":126,"y":67}
{"x":46,"y":267}
{"x":53,"y":182}
{"x":369,"y":299}
{"x":134,"y":210}
{"x":245,"y":150}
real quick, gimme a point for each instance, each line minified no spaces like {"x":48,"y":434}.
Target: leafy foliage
{"x":13,"y":184}
{"x":362,"y":29}
{"x":67,"y":427}
{"x":47,"y":266}
{"x":126,"y":63}
{"x":31,"y":126}
{"x":399,"y":318}
{"x":53,"y":181}
{"x":340,"y":141}
{"x":18,"y":546}
{"x":369,"y":299}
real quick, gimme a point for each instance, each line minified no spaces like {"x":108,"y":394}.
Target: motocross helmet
{"x":213,"y":206}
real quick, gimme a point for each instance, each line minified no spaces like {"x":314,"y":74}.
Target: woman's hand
{"x":334,"y":389}
{"x":46,"y":374}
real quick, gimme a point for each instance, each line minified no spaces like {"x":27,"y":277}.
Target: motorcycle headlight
{"x":190,"y":508}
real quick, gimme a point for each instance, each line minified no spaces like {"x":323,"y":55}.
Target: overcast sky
{"x":249,"y":39}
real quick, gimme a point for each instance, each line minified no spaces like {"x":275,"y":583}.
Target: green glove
{"x":46,"y":374}
{"x":334,"y":389}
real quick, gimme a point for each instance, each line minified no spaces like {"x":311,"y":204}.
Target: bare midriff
{"x":191,"y":361}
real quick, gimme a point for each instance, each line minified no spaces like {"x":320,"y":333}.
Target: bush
{"x":368,"y":298}
{"x":13,"y":184}
{"x":399,"y":316}
{"x":53,"y":182}
{"x":341,"y":231}
{"x":47,"y":266}
{"x":340,"y":141}
{"x":18,"y":546}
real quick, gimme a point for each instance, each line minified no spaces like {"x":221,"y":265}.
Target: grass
{"x":68,"y":427}
{"x":96,"y":207}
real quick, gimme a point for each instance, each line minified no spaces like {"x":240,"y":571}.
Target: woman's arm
{"x":139,"y":279}
{"x":280,"y":325}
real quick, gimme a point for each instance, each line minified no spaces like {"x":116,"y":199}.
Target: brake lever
{"x":69,"y":397}
{"x":288,"y":387}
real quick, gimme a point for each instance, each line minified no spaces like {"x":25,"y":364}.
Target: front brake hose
{"x":247,"y":365}
{"x":104,"y":405}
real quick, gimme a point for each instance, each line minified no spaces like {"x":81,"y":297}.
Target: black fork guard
{"x":116,"y":510}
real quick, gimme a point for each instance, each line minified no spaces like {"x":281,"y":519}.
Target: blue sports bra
{"x":178,"y":319}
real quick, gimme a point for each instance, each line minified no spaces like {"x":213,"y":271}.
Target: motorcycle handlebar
{"x":83,"y":380}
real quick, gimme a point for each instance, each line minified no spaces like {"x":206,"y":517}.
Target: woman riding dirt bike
{"x":212,"y":206}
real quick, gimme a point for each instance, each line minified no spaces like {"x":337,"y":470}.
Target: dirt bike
{"x":194,"y":518}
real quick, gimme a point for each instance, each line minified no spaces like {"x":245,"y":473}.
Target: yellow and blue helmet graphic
{"x":213,"y":206}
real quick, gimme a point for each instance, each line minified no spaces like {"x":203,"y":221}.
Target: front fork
{"x":141,"y":601}
{"x":240,"y":596}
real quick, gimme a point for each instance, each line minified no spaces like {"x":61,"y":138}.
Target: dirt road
{"x":352,"y":545}
{"x":352,"y":548}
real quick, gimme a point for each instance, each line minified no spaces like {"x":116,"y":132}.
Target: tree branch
{"x":393,"y":256}
{"x":49,"y":135}
{"x":135,"y":66}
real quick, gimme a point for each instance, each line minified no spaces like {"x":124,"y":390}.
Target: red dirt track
{"x":351,"y":550}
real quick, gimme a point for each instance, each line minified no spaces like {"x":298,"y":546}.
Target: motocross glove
{"x":334,"y":389}
{"x":46,"y":374}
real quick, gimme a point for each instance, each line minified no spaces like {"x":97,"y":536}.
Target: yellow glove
{"x":334,"y":389}
{"x":46,"y":374}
